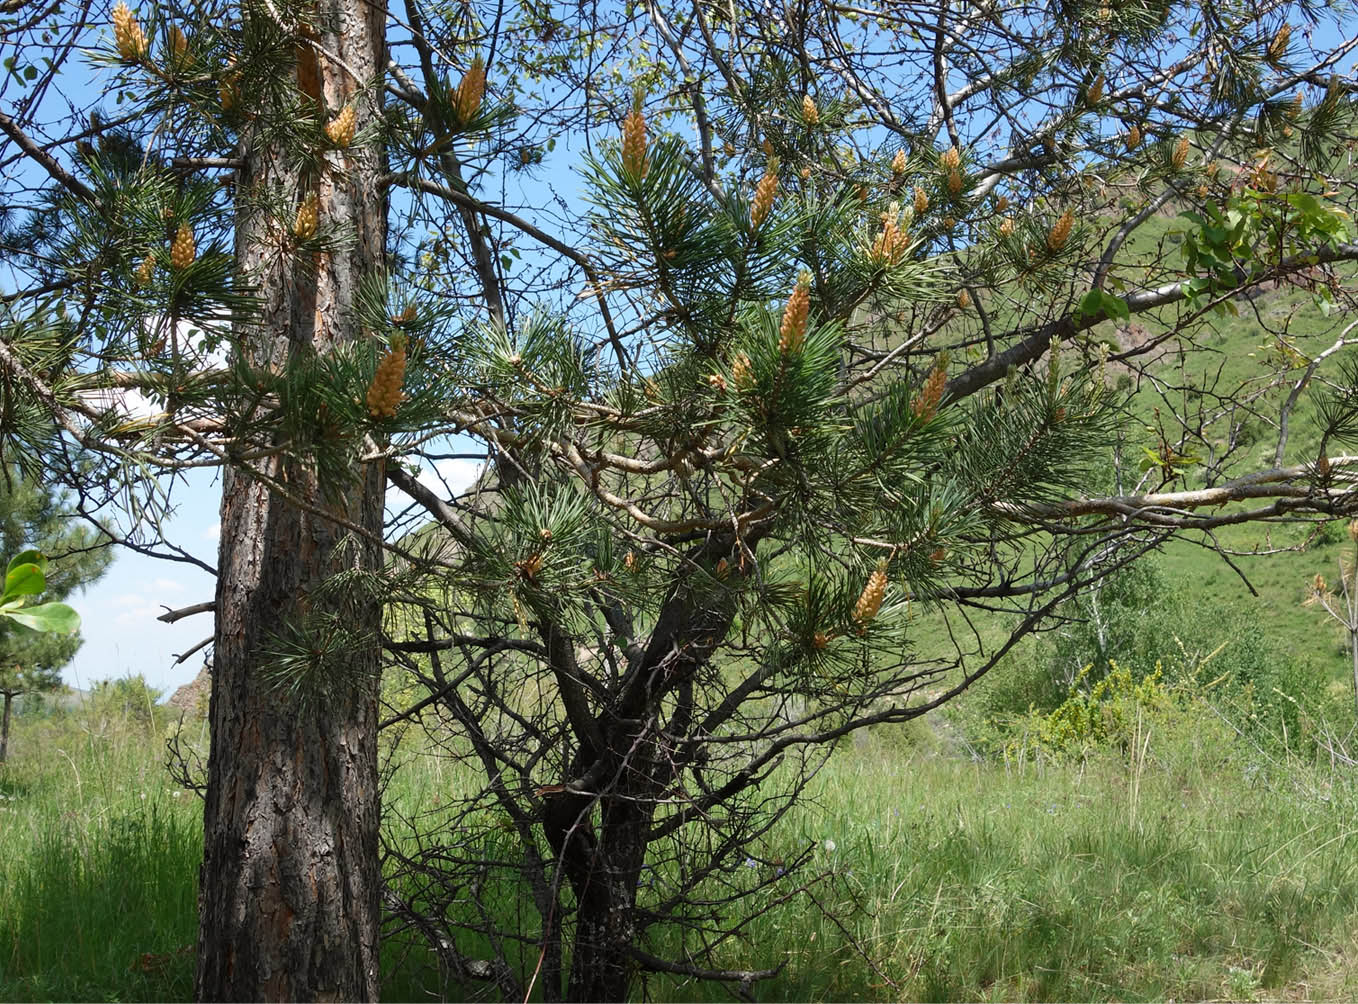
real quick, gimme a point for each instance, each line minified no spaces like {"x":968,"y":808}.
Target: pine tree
{"x":740,"y":421}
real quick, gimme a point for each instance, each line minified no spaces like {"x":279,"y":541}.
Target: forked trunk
{"x":289,"y":904}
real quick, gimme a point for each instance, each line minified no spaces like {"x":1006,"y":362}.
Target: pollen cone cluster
{"x":634,"y":144}
{"x":792,"y":331}
{"x":1094,"y":93}
{"x":870,"y":599}
{"x":809,"y":110}
{"x":921,"y":201}
{"x":954,"y":183}
{"x":1060,"y":231}
{"x":1133,"y":137}
{"x":764,"y":192}
{"x":1277,"y":48}
{"x":145,"y":270}
{"x":950,"y":159}
{"x":127,"y":34}
{"x":898,"y":163}
{"x":340,"y":130}
{"x":1179,"y":157}
{"x":182,"y":249}
{"x":1007,"y":227}
{"x":308,"y":218}
{"x":467,"y":98}
{"x":889,"y":246}
{"x":179,"y":44}
{"x":925,"y":405}
{"x":741,"y":373}
{"x":963,"y":299}
{"x":384,"y":393}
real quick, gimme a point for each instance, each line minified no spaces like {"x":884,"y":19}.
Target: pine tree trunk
{"x":290,"y":900}
{"x":4,"y":729}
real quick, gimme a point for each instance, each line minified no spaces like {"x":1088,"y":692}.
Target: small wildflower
{"x":829,"y":846}
{"x":809,"y":110}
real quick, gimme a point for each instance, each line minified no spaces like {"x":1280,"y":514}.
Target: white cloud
{"x":450,"y":477}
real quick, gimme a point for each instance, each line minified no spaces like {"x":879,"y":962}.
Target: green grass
{"x":1201,"y":870}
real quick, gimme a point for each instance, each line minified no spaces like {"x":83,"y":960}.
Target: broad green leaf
{"x":29,"y":557}
{"x":56,"y":618}
{"x":25,"y":580}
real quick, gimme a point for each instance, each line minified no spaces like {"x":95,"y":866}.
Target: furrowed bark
{"x":290,"y":888}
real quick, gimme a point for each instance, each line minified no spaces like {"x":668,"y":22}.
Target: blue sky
{"x":118,"y":613}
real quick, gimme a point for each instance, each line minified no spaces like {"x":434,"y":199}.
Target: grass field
{"x":1195,"y":868}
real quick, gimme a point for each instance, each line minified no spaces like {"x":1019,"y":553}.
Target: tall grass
{"x":1189,"y":870}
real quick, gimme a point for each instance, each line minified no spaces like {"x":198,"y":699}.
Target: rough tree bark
{"x":289,"y":905}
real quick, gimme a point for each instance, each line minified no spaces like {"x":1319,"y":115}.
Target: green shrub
{"x":1112,"y":713}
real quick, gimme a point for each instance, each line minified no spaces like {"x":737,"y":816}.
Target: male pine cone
{"x":384,"y":393}
{"x":870,"y":599}
{"x":308,"y":218}
{"x":341,"y":129}
{"x":182,"y":248}
{"x":792,"y":330}
{"x":467,"y":98}
{"x":634,"y":144}
{"x":127,"y":34}
{"x":764,"y":192}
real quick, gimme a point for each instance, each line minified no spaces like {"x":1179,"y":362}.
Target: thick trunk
{"x":606,"y":924}
{"x":289,"y":904}
{"x":604,"y":867}
{"x":4,"y":729}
